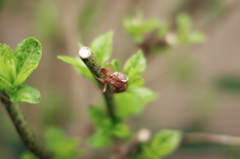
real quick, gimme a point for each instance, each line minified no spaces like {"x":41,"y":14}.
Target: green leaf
{"x":102,"y":47}
{"x":165,"y":142}
{"x":100,"y":139}
{"x":28,"y":55}
{"x":137,"y":26}
{"x":26,"y":94}
{"x":120,"y":130}
{"x":62,"y":146}
{"x":7,"y":64}
{"x":183,"y":26}
{"x":197,"y":37}
{"x":99,"y":117}
{"x":133,"y":100}
{"x":115,"y":65}
{"x":79,"y":65}
{"x":6,"y":85}
{"x":135,"y":81}
{"x":135,"y":65}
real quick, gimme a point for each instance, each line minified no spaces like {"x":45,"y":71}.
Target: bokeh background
{"x":198,"y":84}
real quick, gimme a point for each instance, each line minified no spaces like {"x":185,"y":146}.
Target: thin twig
{"x":93,"y":65}
{"x":24,"y":131}
{"x":190,"y":138}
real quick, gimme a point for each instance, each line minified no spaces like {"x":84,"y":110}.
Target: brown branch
{"x":210,"y":138}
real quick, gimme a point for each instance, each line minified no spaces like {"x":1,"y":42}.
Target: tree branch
{"x":23,"y":129}
{"x":190,"y":138}
{"x":93,"y":65}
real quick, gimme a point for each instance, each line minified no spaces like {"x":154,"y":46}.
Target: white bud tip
{"x":143,"y":135}
{"x":85,"y":52}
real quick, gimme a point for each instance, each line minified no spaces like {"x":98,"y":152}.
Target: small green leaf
{"x":99,"y":117}
{"x":7,"y":64}
{"x":133,"y":101}
{"x":120,"y":130}
{"x":135,"y":81}
{"x":26,"y":94}
{"x":165,"y":142}
{"x":135,"y":65}
{"x":183,"y":26}
{"x":197,"y":37}
{"x":79,"y":65}
{"x":100,"y":139}
{"x":28,"y":55}
{"x":102,"y":47}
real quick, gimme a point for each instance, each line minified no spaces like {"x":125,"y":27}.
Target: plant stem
{"x":93,"y":65}
{"x":23,"y":129}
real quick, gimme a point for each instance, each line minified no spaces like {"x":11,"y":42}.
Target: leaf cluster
{"x":159,"y":34}
{"x":15,"y":68}
{"x":128,"y":103}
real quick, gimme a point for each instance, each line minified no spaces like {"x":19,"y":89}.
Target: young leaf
{"x":135,"y":81}
{"x":28,"y":54}
{"x":6,"y":85}
{"x":115,"y":65}
{"x":120,"y":130}
{"x":79,"y":65}
{"x":135,"y":65}
{"x":100,"y":139}
{"x":102,"y":47}
{"x":183,"y":26}
{"x":26,"y":94}
{"x":7,"y":64}
{"x":165,"y":142}
{"x":99,"y":117}
{"x":133,"y":100}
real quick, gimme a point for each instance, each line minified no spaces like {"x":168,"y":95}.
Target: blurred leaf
{"x":79,"y":65}
{"x":120,"y":130}
{"x":26,"y":94}
{"x":133,"y":100}
{"x":7,"y":65}
{"x":137,"y":26}
{"x":135,"y":65}
{"x":163,"y":30}
{"x":183,"y":26}
{"x":165,"y":142}
{"x":28,"y":54}
{"x":230,"y":83}
{"x":197,"y":37}
{"x":102,"y":47}
{"x":46,"y":23}
{"x":28,"y":155}
{"x":100,"y":139}
{"x":99,"y":117}
{"x":88,"y":17}
{"x":62,"y":146}
{"x":115,"y":64}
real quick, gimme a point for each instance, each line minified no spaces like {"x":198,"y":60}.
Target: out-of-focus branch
{"x":191,"y":138}
{"x":125,"y":150}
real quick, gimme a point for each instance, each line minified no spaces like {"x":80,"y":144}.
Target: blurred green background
{"x":199,"y":84}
